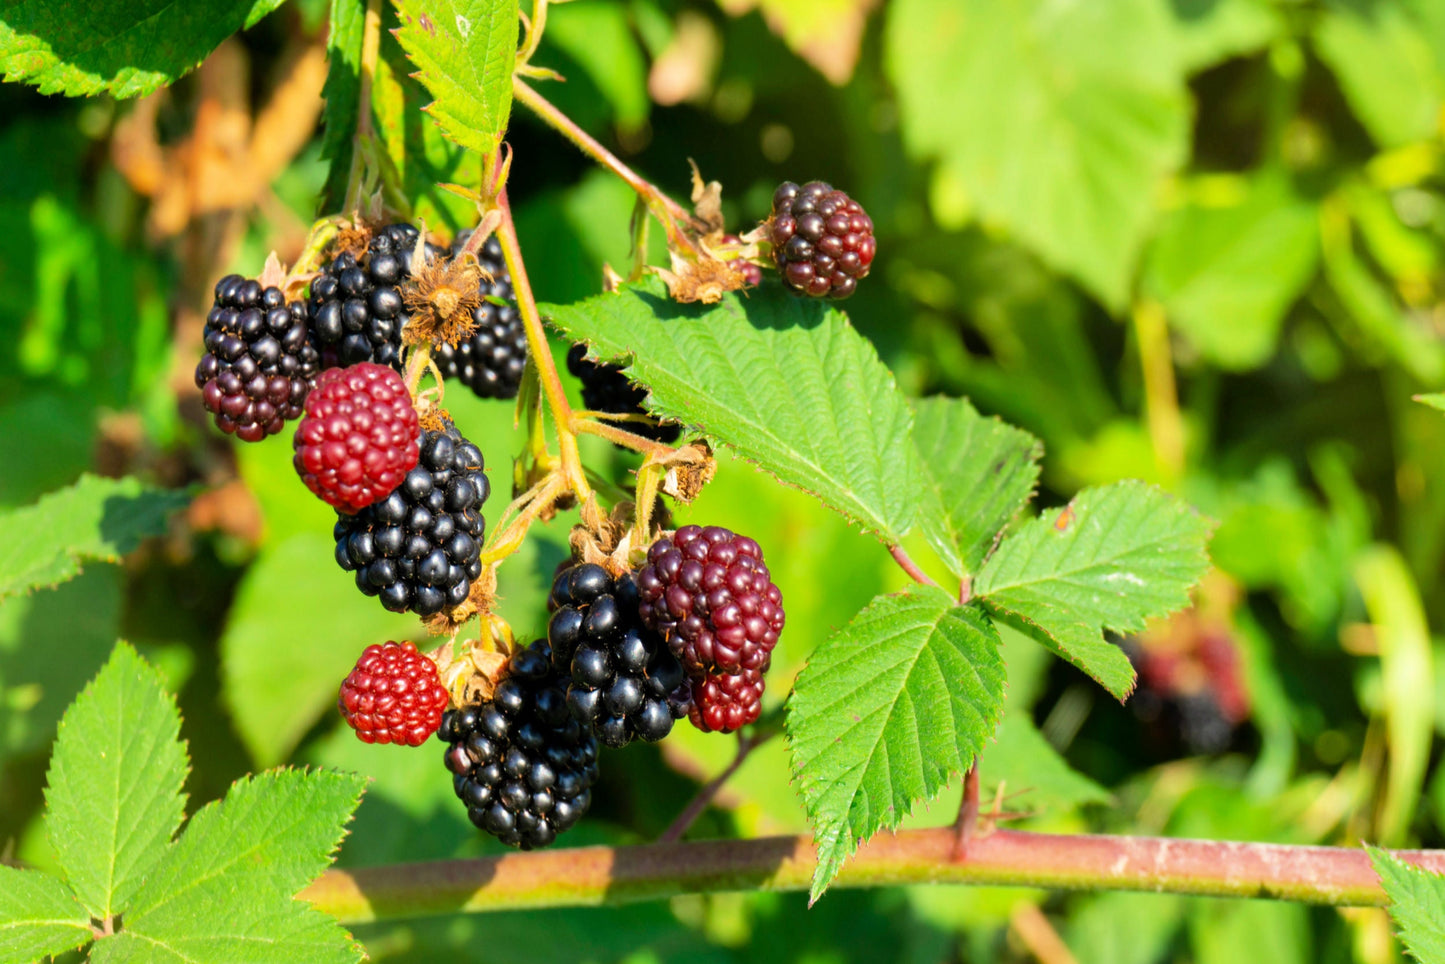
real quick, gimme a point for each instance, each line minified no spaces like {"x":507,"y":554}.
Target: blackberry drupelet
{"x":418,"y":549}
{"x":625,"y":683}
{"x":393,"y":695}
{"x":491,"y":360}
{"x":606,"y":389}
{"x":823,"y":241}
{"x":709,"y":594}
{"x":723,"y":703}
{"x":356,"y":307}
{"x":519,"y":761}
{"x":260,"y":360}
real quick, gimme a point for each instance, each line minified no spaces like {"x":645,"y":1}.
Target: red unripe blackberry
{"x":724,"y":703}
{"x":606,"y":389}
{"x":822,"y":240}
{"x":625,"y":682}
{"x":356,"y":307}
{"x":359,"y":437}
{"x":752,"y":274}
{"x":519,"y":761}
{"x":709,"y":594}
{"x":419,"y":548}
{"x":393,"y":695}
{"x":260,"y":360}
{"x":491,"y":360}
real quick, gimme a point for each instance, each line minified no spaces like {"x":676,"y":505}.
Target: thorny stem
{"x":370,"y":52}
{"x":528,"y":506}
{"x":699,"y":803}
{"x":967,"y":823}
{"x":900,"y":556}
{"x":591,"y":876}
{"x":648,"y":478}
{"x":631,"y":440}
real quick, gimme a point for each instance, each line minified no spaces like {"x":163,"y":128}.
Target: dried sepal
{"x":441,"y":298}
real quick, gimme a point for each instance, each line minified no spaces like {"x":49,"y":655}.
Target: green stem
{"x":592,"y":876}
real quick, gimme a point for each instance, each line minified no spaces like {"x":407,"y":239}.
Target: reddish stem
{"x":699,"y":803}
{"x":967,"y":823}
{"x":900,"y":556}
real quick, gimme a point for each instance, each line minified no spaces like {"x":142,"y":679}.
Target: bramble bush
{"x":1006,"y":468}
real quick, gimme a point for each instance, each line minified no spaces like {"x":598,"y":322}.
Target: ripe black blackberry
{"x":356,"y":308}
{"x":260,"y":360}
{"x":418,"y":549}
{"x":519,"y":761}
{"x":491,"y":360}
{"x":625,"y":683}
{"x":822,"y":239}
{"x":606,"y":389}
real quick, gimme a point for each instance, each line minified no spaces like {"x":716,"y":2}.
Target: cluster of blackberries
{"x":419,"y":548}
{"x":260,"y":360}
{"x":491,"y":360}
{"x":606,"y":389}
{"x":625,"y":683}
{"x":520,"y":762}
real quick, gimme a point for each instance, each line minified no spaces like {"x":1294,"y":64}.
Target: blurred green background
{"x":1198,"y":242}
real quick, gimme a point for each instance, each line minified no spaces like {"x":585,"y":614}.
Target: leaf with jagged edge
{"x":39,"y":917}
{"x":464,"y":51}
{"x":113,"y":793}
{"x":886,"y":711}
{"x":342,"y":93}
{"x":94,"y":519}
{"x":1111,"y":559}
{"x":785,"y":382}
{"x":976,"y":474}
{"x":1417,"y":905}
{"x":124,"y":48}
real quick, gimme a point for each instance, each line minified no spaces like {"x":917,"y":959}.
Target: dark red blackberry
{"x":709,"y":594}
{"x":418,"y":548}
{"x":359,"y":438}
{"x":393,"y":695}
{"x":519,"y":761}
{"x":723,"y":703}
{"x":752,"y":274}
{"x":625,"y":681}
{"x":260,"y":360}
{"x":822,"y":240}
{"x":491,"y":360}
{"x":356,"y":308}
{"x":606,"y":389}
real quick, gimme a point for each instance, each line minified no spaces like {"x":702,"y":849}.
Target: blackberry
{"x":418,"y":549}
{"x":822,"y":240}
{"x":260,"y":360}
{"x":606,"y":389}
{"x":519,"y":761}
{"x":709,"y":594}
{"x":359,"y":437}
{"x":625,"y":683}
{"x":356,"y":308}
{"x":491,"y":360}
{"x":723,"y":703}
{"x":752,"y":274}
{"x":393,"y":695}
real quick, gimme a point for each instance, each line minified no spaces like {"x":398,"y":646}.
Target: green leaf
{"x":296,"y":626}
{"x":343,"y":96}
{"x":1435,"y":401}
{"x":1114,"y":557}
{"x":39,"y":916}
{"x":981,"y":471}
{"x":465,"y":50}
{"x":94,"y":519}
{"x":1227,"y":273}
{"x":114,"y":786}
{"x":1057,"y":120}
{"x":1382,"y":55}
{"x":1031,"y":770}
{"x":1416,"y":899}
{"x":787,"y":383}
{"x":599,"y":38}
{"x":1211,"y":31}
{"x":903,"y":696}
{"x":126,"y":48}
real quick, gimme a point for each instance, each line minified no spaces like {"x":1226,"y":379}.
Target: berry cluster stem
{"x":699,"y":803}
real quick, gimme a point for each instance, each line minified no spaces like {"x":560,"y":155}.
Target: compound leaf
{"x":903,"y":696}
{"x":465,"y":50}
{"x":1056,"y":119}
{"x":114,"y":786}
{"x":1416,"y":899}
{"x":1114,"y":557}
{"x":39,"y":916}
{"x":982,"y":471}
{"x":787,"y":383}
{"x":126,"y":49}
{"x":94,"y":519}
